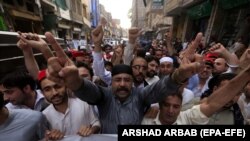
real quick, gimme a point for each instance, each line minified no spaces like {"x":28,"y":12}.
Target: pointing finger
{"x":56,"y":47}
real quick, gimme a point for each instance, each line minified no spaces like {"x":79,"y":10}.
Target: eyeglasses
{"x":137,"y":67}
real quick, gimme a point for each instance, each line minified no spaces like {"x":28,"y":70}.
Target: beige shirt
{"x":191,"y":116}
{"x":224,"y":117}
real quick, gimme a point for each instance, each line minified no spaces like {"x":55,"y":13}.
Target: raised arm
{"x":63,"y":71}
{"x":223,"y":95}
{"x":26,"y":43}
{"x":98,"y":61}
{"x":231,"y":58}
{"x":133,"y":33}
{"x":29,"y":59}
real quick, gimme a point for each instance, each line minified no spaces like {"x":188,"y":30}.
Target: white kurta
{"x":78,"y":113}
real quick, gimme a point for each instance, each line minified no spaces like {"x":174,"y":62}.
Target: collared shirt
{"x":197,"y":90}
{"x":151,"y":80}
{"x":113,"y":113}
{"x":192,"y":116}
{"x":39,"y":104}
{"x":77,"y":114}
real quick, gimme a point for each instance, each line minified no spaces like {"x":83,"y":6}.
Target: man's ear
{"x":27,"y":89}
{"x":215,"y":88}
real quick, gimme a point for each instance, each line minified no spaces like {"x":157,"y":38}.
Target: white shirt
{"x":187,"y":96}
{"x":192,"y":116}
{"x":99,"y":68}
{"x":152,"y":80}
{"x":77,"y":114}
{"x":245,"y":108}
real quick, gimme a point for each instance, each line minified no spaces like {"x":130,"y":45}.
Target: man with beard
{"x":166,"y":66}
{"x":66,"y":115}
{"x":21,"y":124}
{"x":139,"y":68}
{"x":153,"y":65}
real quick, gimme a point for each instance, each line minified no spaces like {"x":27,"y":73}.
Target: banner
{"x":94,"y":137}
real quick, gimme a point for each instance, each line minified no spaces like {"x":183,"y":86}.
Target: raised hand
{"x":186,"y":70}
{"x":191,"y":49}
{"x":244,"y":60}
{"x":97,"y":35}
{"x":218,"y":49}
{"x":60,"y":68}
{"x":133,"y":33}
{"x":103,"y":21}
{"x":30,"y":40}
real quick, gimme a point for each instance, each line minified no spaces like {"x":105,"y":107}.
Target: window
{"x":30,"y":7}
{"x":20,"y":2}
{"x":10,"y":2}
{"x":79,"y":11}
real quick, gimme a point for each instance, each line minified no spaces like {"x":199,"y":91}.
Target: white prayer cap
{"x":166,"y":59}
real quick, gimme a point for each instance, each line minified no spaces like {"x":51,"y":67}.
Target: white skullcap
{"x":166,"y":59}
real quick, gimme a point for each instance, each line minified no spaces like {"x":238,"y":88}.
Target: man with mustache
{"x":153,"y":66}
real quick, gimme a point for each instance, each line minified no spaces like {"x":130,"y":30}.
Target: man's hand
{"x":85,"y":131}
{"x":244,"y":60}
{"x":97,"y":35}
{"x":30,"y":40}
{"x":54,"y":135}
{"x":186,"y":70}
{"x":60,"y":68}
{"x":133,"y":34}
{"x":190,"y":51}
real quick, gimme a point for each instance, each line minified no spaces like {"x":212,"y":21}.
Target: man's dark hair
{"x":108,"y":63}
{"x":20,"y":79}
{"x":150,"y":58}
{"x":178,"y":94}
{"x":1,"y":101}
{"x":81,"y":64}
{"x":216,"y":81}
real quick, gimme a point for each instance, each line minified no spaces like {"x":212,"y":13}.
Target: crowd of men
{"x":84,"y":92}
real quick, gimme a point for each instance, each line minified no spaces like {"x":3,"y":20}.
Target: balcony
{"x":173,"y":7}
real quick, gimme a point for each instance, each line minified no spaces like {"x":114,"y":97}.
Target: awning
{"x":77,"y":29}
{"x":202,"y":10}
{"x":63,"y":26}
{"x":24,"y":15}
{"x":228,"y":4}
